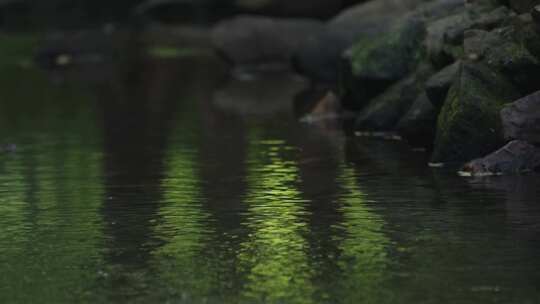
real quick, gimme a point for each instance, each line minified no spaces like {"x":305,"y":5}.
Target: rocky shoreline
{"x":457,"y":78}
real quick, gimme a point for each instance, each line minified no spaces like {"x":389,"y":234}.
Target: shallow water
{"x":160,"y":183}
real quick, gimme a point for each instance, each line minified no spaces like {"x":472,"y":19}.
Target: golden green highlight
{"x":274,"y":257}
{"x":364,"y":259}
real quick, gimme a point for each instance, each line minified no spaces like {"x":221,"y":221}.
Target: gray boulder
{"x":521,"y":119}
{"x":517,"y":157}
{"x":253,"y":40}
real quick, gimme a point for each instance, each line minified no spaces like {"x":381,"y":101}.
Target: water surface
{"x":162,"y":182}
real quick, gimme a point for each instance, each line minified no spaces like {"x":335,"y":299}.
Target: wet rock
{"x":383,"y":112}
{"x":252,"y":40}
{"x":503,"y":50}
{"x":417,"y":126}
{"x":469,"y":124}
{"x":521,"y":119}
{"x":320,"y":57}
{"x":516,"y":157}
{"x":445,"y":36}
{"x":373,"y":65}
{"x":438,"y":85}
{"x":327,"y":108}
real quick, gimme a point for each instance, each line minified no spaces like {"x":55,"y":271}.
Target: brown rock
{"x":329,"y":107}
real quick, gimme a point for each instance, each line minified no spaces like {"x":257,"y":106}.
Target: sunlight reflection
{"x":274,"y":256}
{"x":364,"y":246}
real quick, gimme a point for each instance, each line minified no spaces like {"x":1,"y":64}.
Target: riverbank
{"x":435,"y":73}
{"x":454,"y":78}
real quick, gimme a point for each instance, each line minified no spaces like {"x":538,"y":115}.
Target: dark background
{"x":68,"y":14}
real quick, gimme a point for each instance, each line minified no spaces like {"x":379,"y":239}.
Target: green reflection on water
{"x":274,"y":257}
{"x":51,"y":191}
{"x":183,"y":226}
{"x":364,"y":259}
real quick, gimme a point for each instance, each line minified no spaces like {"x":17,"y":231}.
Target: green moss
{"x":373,"y":65}
{"x":363,"y":51}
{"x":391,"y":55}
{"x":469,"y":124}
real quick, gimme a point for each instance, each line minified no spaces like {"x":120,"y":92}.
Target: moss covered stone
{"x":371,"y":66}
{"x":469,"y":125}
{"x":505,"y":50}
{"x":383,"y":112}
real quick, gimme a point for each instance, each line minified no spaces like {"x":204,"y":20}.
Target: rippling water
{"x":164,"y":184}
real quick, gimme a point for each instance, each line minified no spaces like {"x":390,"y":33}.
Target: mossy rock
{"x":469,"y":125}
{"x":384,"y":112}
{"x":506,"y":50}
{"x":371,"y":66}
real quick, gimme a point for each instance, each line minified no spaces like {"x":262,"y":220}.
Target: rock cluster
{"x":457,"y":77}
